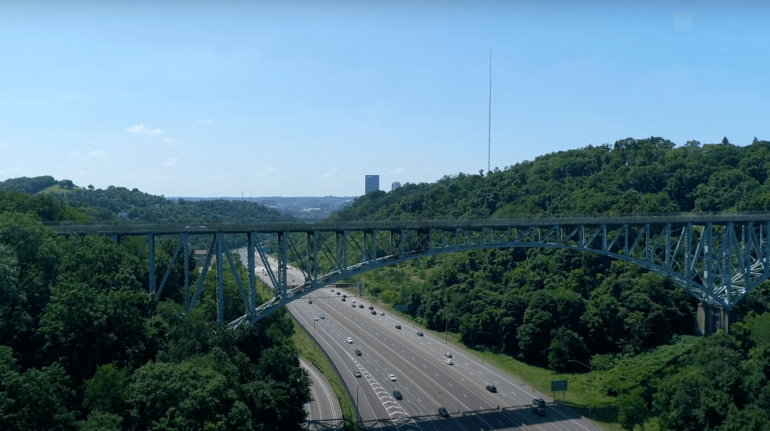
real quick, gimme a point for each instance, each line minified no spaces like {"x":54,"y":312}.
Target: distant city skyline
{"x":305,"y":98}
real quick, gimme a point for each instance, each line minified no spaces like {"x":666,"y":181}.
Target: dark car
{"x":343,"y":299}
{"x":398,"y":326}
{"x":539,"y":411}
{"x":357,"y":374}
{"x":397,"y":394}
{"x":538,"y":402}
{"x":420,"y":334}
{"x":442,"y":411}
{"x":491,"y":388}
{"x":309,"y":301}
{"x":360,"y":305}
{"x":358,"y":352}
{"x":374,"y":312}
{"x":344,"y":296}
{"x":371,"y":308}
{"x":353,"y":305}
{"x":338,"y":293}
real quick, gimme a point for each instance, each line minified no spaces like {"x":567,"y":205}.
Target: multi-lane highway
{"x":425,"y":381}
{"x":323,"y":410}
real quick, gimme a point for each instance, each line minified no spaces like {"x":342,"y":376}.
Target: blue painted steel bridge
{"x":717,"y":258}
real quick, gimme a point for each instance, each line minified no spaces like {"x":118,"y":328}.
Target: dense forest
{"x":83,"y":346}
{"x":104,"y":205}
{"x":547,"y":307}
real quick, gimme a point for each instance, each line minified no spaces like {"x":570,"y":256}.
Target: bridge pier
{"x":712,"y":318}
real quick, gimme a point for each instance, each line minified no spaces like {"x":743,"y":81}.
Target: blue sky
{"x":305,"y":98}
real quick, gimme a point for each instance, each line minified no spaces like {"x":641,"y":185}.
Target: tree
{"x":632,"y":410}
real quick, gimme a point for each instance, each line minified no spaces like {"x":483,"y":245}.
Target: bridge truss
{"x":717,"y":259}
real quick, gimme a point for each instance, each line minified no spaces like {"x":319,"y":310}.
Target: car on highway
{"x":360,"y":305}
{"x":397,"y":395}
{"x":449,"y":361}
{"x":315,"y":318}
{"x":358,"y":352}
{"x":442,"y":411}
{"x":539,"y":411}
{"x":398,"y":326}
{"x":420,"y":333}
{"x":490,"y":388}
{"x":343,"y":299}
{"x":448,"y":354}
{"x":354,"y":301}
{"x":538,"y":402}
{"x":382,"y":313}
{"x":371,"y":308}
{"x":309,"y":301}
{"x":374,"y":312}
{"x":338,"y":293}
{"x":357,"y":374}
{"x":350,"y":340}
{"x":323,"y":317}
{"x":353,"y":305}
{"x":344,"y":296}
{"x":392,"y":377}
{"x":333,"y":291}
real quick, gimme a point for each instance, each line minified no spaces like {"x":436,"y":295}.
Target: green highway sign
{"x":558,"y":385}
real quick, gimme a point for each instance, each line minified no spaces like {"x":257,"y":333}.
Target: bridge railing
{"x":129,"y":227}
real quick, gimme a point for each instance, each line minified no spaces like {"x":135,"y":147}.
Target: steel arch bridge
{"x":717,"y":258}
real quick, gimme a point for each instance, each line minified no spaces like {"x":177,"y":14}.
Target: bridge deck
{"x":395,"y":225}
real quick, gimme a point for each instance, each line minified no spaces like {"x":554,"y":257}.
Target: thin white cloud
{"x":265,"y":172}
{"x":74,"y":153}
{"x":207,"y":121}
{"x":396,"y":171}
{"x":97,"y":153}
{"x":170,"y":162}
{"x":167,"y":140}
{"x":4,"y":145}
{"x":141,"y":128}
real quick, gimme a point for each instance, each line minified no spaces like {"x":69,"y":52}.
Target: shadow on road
{"x":506,"y":418}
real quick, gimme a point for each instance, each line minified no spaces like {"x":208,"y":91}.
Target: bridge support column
{"x":712,"y":318}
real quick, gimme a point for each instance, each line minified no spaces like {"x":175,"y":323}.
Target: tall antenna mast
{"x":489,"y":138}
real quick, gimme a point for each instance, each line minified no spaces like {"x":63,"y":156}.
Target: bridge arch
{"x":717,"y":258}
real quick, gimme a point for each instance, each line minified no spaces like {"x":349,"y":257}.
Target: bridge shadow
{"x":512,"y":417}
{"x":324,"y":424}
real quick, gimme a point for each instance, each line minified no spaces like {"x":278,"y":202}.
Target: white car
{"x":449,"y":361}
{"x":382,"y":313}
{"x":315,"y":318}
{"x":392,"y":377}
{"x":350,"y":340}
{"x":354,"y":301}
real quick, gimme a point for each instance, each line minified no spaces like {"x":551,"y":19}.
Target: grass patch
{"x":310,"y":351}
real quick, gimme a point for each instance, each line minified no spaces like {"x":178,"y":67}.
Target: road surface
{"x":323,"y":410}
{"x":424,"y":379}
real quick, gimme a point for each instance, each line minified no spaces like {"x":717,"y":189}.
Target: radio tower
{"x":489,"y":137}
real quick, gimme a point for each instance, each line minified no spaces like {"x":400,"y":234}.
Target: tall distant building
{"x":395,"y":185}
{"x":372,"y":183}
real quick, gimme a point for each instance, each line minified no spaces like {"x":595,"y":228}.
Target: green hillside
{"x":84,"y":346}
{"x":546,"y":307}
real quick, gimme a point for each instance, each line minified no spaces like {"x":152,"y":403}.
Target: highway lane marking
{"x":338,"y":355}
{"x":400,"y":422}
